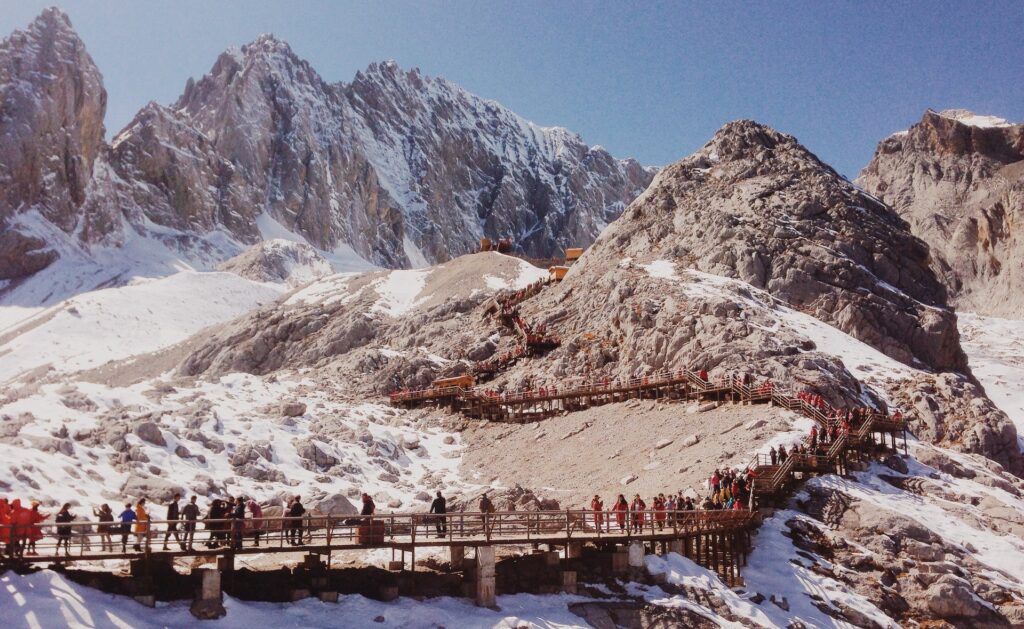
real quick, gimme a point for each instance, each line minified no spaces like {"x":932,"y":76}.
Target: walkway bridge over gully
{"x":718,"y":539}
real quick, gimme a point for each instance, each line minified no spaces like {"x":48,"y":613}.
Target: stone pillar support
{"x":457,"y":555}
{"x":574,"y":550}
{"x":486,"y":594}
{"x":209,"y":600}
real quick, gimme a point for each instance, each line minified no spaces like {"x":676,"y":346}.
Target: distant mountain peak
{"x":395,"y":168}
{"x":972,"y":119}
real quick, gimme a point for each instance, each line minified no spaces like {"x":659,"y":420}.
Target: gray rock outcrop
{"x":755,"y":205}
{"x":958,"y":179}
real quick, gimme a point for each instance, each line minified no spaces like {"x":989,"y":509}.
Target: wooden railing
{"x":94,"y":540}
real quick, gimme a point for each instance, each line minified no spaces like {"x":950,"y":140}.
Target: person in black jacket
{"x":190,"y":513}
{"x":295,"y":513}
{"x":172,"y":522}
{"x":440,"y":507}
{"x":237,"y":522}
{"x":64,"y":517}
{"x":369,"y":508}
{"x":216,"y":512}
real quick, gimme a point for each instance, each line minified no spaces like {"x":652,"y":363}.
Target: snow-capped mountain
{"x":958,"y":179}
{"x":395,"y":169}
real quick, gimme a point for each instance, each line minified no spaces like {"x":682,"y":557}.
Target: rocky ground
{"x":634,"y":447}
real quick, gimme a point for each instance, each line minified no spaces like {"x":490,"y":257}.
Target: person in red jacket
{"x":21,"y":527}
{"x":598,"y":507}
{"x":620,"y":508}
{"x":36,"y":531}
{"x":659,"y":510}
{"x":5,"y":523}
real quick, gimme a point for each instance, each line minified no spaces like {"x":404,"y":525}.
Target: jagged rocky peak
{"x":755,"y":205}
{"x":403,"y":169}
{"x":544,"y":187}
{"x":958,"y":179}
{"x":52,"y":104}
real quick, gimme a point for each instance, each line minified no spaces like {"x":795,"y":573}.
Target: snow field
{"x":93,"y":328}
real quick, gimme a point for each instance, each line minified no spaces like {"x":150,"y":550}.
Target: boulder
{"x":335,"y":505}
{"x":150,"y":433}
{"x":293,"y":409}
{"x":952,"y":597}
{"x":153,"y":489}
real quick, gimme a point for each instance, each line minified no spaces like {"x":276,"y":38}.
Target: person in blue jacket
{"x":127,"y":517}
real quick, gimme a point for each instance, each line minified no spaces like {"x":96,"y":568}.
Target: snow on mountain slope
{"x":995,"y":348}
{"x":116,"y":323}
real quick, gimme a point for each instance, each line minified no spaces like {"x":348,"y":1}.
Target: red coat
{"x":37,"y":531}
{"x":598,"y":507}
{"x":620,"y":510}
{"x":638,"y":511}
{"x":5,"y":522}
{"x":659,"y":511}
{"x":21,"y":521}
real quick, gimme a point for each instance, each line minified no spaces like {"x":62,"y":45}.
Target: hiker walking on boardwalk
{"x":127,"y":517}
{"x":63,"y":519}
{"x":104,"y":515}
{"x":782,"y":454}
{"x":141,"y":525}
{"x":190,"y":513}
{"x":621,"y":507}
{"x":172,"y":522}
{"x":35,"y":532}
{"x":237,"y":522}
{"x":214,"y":524}
{"x":659,"y":511}
{"x":439,"y":507}
{"x":486,"y":508}
{"x":257,"y":520}
{"x":5,"y":524}
{"x":773,"y":455}
{"x":598,"y":508}
{"x":638,"y":507}
{"x":295,"y":513}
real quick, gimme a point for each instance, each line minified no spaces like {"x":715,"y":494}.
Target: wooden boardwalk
{"x":769,"y":478}
{"x":719,"y":538}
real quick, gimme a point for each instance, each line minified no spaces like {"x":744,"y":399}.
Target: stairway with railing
{"x":770,"y":478}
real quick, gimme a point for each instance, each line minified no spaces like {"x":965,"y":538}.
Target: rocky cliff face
{"x":958,"y":179}
{"x":400,"y":168}
{"x":52,"y":104}
{"x":755,"y":205}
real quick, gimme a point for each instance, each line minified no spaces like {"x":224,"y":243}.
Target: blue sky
{"x":648,"y":80}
